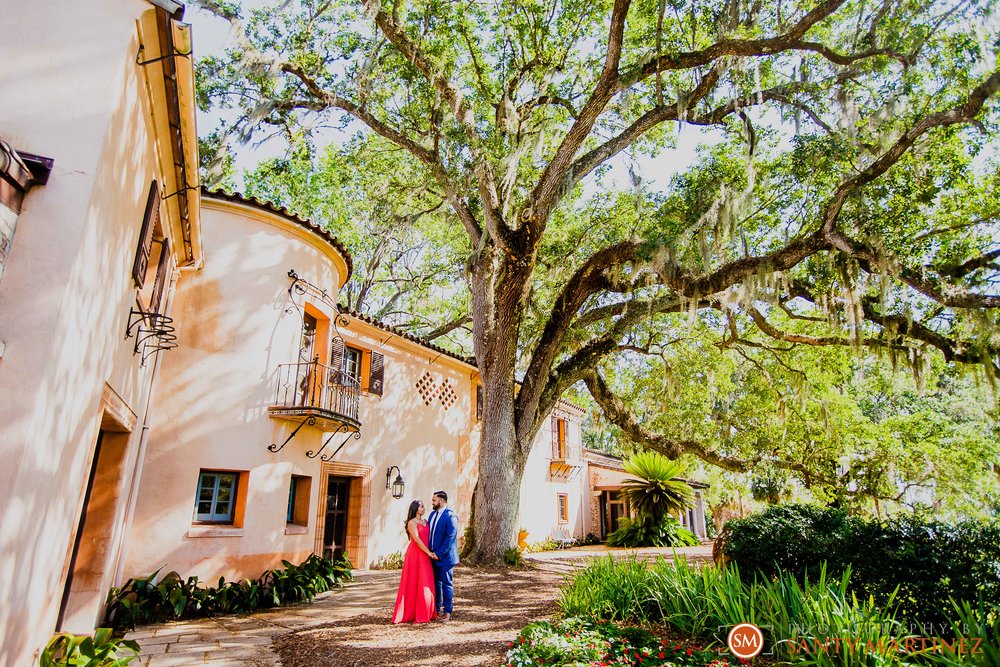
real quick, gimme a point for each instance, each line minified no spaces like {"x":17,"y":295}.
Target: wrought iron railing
{"x":312,"y":385}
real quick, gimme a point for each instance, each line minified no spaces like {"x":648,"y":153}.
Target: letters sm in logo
{"x":745,"y":640}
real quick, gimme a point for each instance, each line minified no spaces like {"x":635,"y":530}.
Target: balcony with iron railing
{"x":326,"y":395}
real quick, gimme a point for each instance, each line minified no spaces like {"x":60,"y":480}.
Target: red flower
{"x":689,"y":651}
{"x":660,"y":655}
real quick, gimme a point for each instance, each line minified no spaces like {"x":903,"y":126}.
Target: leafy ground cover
{"x":101,"y":650}
{"x":585,"y":642}
{"x":816,"y":621}
{"x":152,"y":599}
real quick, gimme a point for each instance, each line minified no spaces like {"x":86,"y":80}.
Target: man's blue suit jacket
{"x":444,"y":539}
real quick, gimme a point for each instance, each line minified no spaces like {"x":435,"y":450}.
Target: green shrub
{"x":651,"y":531}
{"x":152,"y":600}
{"x":794,"y":538}
{"x":548,"y":544}
{"x":579,"y":642}
{"x":513,"y":558}
{"x":921,"y":564}
{"x":101,"y":650}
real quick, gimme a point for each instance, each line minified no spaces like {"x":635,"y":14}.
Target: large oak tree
{"x":842,"y":187}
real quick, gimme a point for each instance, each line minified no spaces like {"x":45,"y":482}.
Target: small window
{"x":216,"y":501}
{"x":352,"y":363}
{"x":558,"y":439}
{"x":563,"y":501}
{"x":298,"y":500}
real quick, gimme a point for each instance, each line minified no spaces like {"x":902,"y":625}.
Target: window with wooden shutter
{"x":479,"y":402}
{"x":150,"y":219}
{"x":377,"y":375}
{"x":162,"y":275}
{"x":555,"y":438}
{"x":563,"y":507}
{"x":337,"y":353}
{"x":561,"y":434}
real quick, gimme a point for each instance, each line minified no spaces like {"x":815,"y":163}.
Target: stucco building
{"x":97,"y":120}
{"x":180,"y":388}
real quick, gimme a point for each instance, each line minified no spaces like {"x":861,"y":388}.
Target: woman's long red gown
{"x":415,"y":599}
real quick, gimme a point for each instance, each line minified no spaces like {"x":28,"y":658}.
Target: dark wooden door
{"x":335,"y":527}
{"x":616,"y":510}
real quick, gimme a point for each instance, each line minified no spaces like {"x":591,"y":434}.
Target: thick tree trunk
{"x":498,"y":287}
{"x":500,"y":469}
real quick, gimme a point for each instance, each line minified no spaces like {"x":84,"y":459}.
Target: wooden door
{"x":335,"y":526}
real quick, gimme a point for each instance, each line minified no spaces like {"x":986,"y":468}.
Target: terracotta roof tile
{"x":291,"y":216}
{"x":408,"y":336}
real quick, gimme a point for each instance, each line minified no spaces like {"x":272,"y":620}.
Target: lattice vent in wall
{"x":447,"y":394}
{"x":428,"y":388}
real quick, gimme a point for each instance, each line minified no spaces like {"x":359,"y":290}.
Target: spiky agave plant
{"x":658,"y":490}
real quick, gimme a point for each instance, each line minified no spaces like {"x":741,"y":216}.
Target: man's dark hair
{"x":442,"y":495}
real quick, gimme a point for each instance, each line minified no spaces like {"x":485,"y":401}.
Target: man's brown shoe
{"x":445,"y":618}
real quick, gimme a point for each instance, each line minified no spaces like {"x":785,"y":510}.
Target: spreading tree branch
{"x":615,"y":410}
{"x":463,"y":113}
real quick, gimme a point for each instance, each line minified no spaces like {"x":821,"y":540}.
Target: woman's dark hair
{"x":411,"y":513}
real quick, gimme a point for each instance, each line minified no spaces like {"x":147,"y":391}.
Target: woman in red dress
{"x":415,"y":599}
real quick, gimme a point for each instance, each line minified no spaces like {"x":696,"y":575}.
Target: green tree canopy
{"x":843,"y":197}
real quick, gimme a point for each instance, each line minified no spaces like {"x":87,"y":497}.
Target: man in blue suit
{"x":443,"y":543}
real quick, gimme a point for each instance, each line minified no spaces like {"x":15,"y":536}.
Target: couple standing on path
{"x":425,"y":587}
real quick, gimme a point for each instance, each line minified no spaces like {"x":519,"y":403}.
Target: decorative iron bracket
{"x":308,"y":420}
{"x":301,"y":287}
{"x":183,"y":188}
{"x":343,"y":428}
{"x":153,"y":332}
{"x":143,"y":63}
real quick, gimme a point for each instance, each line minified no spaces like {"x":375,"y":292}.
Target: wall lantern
{"x":398,"y":485}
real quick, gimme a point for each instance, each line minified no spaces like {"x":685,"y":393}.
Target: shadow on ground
{"x":491,"y":607}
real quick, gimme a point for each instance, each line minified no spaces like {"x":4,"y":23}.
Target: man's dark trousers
{"x":444,"y":543}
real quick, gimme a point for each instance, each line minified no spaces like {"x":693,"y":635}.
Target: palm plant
{"x":657,"y":491}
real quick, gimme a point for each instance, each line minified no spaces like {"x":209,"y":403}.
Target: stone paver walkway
{"x":231,"y":641}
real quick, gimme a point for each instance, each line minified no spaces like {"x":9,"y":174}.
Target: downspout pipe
{"x":172,"y":7}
